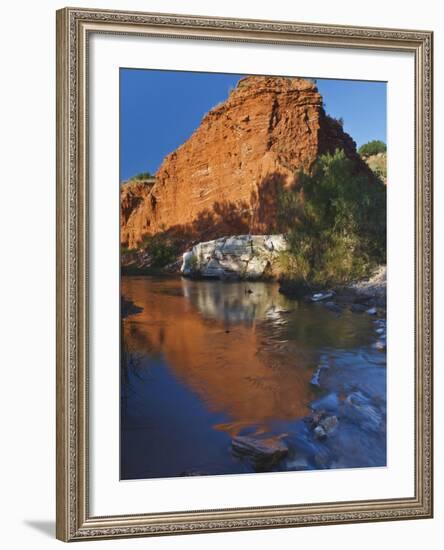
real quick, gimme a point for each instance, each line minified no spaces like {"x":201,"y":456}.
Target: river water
{"x":206,"y":361}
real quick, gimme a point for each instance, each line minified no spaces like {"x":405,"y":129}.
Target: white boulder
{"x":240,"y":256}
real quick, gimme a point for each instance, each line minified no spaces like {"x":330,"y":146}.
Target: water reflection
{"x":236,"y":303}
{"x":242,"y":354}
{"x":223,"y":348}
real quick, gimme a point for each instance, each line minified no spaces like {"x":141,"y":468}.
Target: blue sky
{"x":159,"y":110}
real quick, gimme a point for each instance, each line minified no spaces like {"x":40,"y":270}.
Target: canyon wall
{"x":226,"y":177}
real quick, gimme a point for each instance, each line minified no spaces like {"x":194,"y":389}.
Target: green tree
{"x":372,"y":148}
{"x":335,"y":223}
{"x":162,"y":250}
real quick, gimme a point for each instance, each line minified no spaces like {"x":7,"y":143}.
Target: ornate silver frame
{"x":74,"y":521}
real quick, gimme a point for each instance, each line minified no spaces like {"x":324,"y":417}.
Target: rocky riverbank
{"x":368,"y":295}
{"x":255,"y":257}
{"x":350,"y":412}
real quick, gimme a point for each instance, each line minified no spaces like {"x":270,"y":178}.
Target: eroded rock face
{"x":226,"y":177}
{"x":133,"y":211}
{"x":242,"y":256}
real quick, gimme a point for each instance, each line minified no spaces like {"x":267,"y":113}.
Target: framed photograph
{"x":244,"y":274}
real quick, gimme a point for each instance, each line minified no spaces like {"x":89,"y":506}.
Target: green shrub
{"x":162,"y":250}
{"x":334,"y":222}
{"x":372,"y":148}
{"x":125,"y":250}
{"x":142,"y":176}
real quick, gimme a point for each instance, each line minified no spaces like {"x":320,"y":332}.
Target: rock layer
{"x":225,"y":178}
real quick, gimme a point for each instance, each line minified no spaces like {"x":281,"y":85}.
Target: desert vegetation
{"x":141,"y":176}
{"x":335,"y":224}
{"x":372,"y":148}
{"x":161,"y":249}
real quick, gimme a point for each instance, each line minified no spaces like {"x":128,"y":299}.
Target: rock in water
{"x":319,"y":432}
{"x":226,"y":178}
{"x":262,"y":452}
{"x":329,"y":424}
{"x":321,"y":424}
{"x":242,"y":256}
{"x":319,"y":296}
{"x":380,"y":345}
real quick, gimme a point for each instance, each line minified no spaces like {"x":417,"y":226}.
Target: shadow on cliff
{"x":267,"y":204}
{"x":259,"y":216}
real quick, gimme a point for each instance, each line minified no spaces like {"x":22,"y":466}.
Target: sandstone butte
{"x":225,"y":178}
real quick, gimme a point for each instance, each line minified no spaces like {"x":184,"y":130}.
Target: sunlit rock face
{"x":240,"y":256}
{"x":225,"y":179}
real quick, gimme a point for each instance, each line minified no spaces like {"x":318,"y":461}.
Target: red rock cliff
{"x":225,"y":177}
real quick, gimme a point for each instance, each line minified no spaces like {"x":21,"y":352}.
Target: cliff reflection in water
{"x":214,"y":358}
{"x":218,"y":342}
